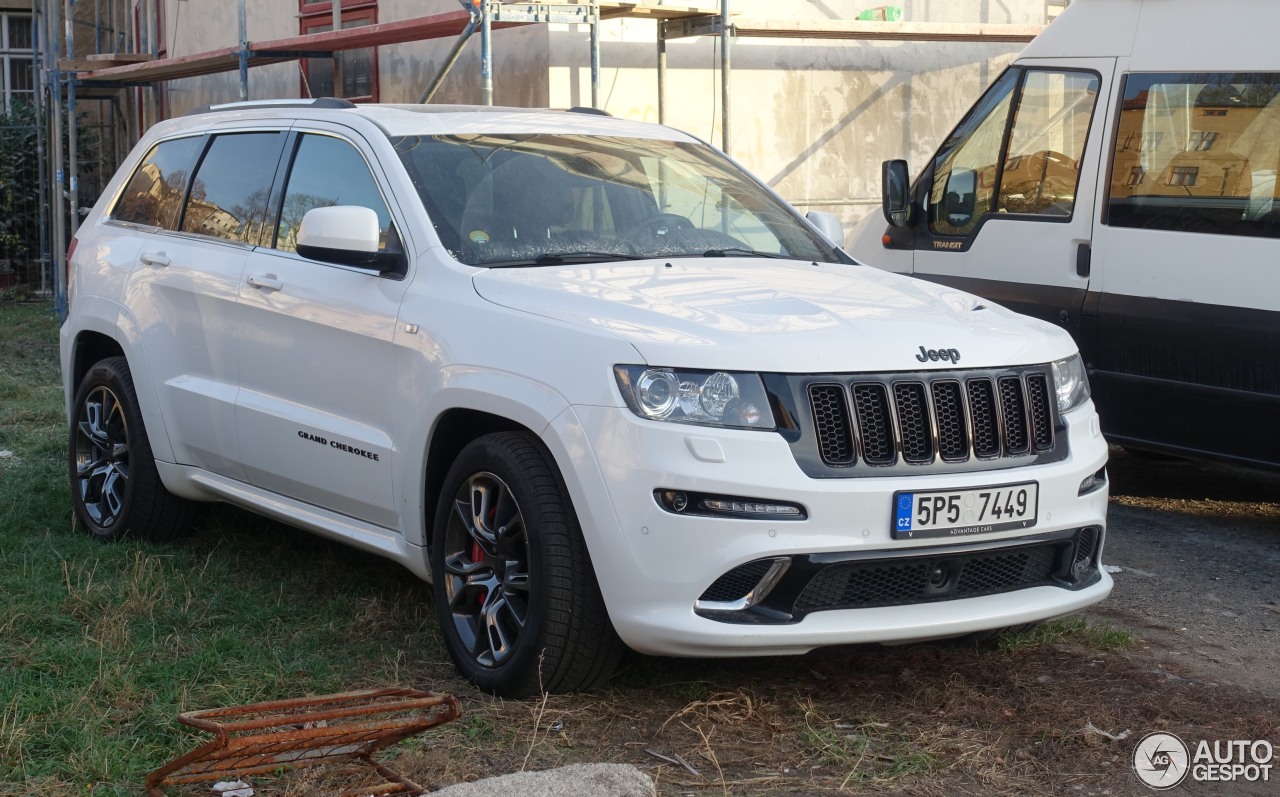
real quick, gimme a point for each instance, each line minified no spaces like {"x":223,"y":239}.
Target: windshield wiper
{"x":734,"y":250}
{"x":561,"y":259}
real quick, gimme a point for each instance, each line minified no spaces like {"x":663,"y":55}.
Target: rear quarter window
{"x":153,"y":195}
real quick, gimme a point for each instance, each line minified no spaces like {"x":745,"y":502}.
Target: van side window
{"x":328,"y":171}
{"x":1034,"y":169}
{"x":230,"y":192}
{"x":154,"y":194}
{"x":1198,"y":153}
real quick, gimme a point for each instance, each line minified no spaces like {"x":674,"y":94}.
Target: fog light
{"x":706,"y":505}
{"x":1093,"y":482}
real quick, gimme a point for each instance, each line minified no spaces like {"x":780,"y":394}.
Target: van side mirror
{"x":829,"y":225}
{"x":960,"y":198}
{"x":895,"y":184}
{"x":344,"y":234}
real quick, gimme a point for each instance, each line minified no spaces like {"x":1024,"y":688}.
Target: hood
{"x":749,"y":314}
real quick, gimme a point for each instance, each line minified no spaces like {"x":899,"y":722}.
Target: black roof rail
{"x":319,"y":102}
{"x":592,"y":111}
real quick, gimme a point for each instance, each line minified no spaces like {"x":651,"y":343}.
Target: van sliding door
{"x":1188,"y":254}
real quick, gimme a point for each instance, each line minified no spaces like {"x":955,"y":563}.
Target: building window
{"x":350,"y":74}
{"x":17,"y":82}
{"x":1136,"y":176}
{"x":1184,"y":175}
{"x":1201,"y":141}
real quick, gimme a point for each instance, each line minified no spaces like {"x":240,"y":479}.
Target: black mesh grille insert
{"x":1041,"y":414}
{"x":1014,"y":407}
{"x":739,"y":581}
{"x":909,"y":421}
{"x":863,"y":585}
{"x":948,"y":407}
{"x":982,"y":408}
{"x":871,"y":405}
{"x":913,"y":421}
{"x":997,"y":573}
{"x":831,"y":418}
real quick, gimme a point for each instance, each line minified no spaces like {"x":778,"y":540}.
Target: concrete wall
{"x":813,"y":118}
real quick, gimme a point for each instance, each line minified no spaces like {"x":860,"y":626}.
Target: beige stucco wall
{"x":813,"y":118}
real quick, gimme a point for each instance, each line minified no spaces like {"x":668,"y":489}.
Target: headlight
{"x":1070,"y":382}
{"x":709,"y":398}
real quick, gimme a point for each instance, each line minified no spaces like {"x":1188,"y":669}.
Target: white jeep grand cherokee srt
{"x":587,"y":376}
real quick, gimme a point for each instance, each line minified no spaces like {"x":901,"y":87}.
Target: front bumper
{"x":653,"y":566}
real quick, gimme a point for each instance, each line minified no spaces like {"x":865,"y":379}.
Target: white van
{"x":1119,"y":179}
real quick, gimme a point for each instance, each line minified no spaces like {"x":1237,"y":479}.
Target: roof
{"x":408,"y":120}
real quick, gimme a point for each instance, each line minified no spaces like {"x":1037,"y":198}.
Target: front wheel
{"x":516,"y":595}
{"x":115,"y":488}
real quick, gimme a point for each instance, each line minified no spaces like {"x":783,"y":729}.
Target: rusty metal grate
{"x":343,"y":728}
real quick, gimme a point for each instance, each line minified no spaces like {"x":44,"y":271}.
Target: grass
{"x":101,"y":646}
{"x":1098,"y":636}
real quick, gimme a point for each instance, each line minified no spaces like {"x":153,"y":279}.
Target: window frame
{"x":1010,"y":121}
{"x":9,"y":54}
{"x":280,"y":187}
{"x":180,"y":220}
{"x":1107,"y":199}
{"x":319,"y":14}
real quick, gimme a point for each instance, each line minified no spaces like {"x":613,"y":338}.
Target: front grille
{"x":923,"y":419}
{"x":864,"y":585}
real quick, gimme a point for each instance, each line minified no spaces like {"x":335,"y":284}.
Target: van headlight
{"x":708,"y":398}
{"x":1070,"y":382}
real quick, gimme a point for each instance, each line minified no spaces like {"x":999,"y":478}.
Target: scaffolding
{"x":131,"y":62}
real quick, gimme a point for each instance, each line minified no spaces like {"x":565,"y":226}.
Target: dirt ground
{"x":1199,"y":548}
{"x":1198,"y":590}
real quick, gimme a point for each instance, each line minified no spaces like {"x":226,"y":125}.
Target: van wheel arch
{"x":91,"y":348}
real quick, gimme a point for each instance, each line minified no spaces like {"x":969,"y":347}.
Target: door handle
{"x":156,"y":259}
{"x":267,"y":282}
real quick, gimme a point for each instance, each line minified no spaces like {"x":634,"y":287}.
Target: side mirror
{"x":960,"y":199}
{"x":829,"y":225}
{"x":344,"y":234}
{"x":895,"y":185}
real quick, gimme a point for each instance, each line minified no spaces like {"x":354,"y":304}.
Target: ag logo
{"x":1161,"y":760}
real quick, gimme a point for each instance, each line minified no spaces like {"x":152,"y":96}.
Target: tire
{"x":516,"y":596}
{"x":115,"y":487}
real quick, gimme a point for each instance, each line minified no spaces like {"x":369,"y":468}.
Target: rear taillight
{"x":71,"y":250}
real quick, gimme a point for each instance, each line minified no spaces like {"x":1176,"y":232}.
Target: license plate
{"x":956,"y":513}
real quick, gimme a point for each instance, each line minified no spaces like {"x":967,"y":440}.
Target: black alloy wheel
{"x":486,"y":569}
{"x":115,"y":487}
{"x":515,"y":592}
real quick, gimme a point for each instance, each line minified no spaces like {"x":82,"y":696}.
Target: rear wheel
{"x":516,"y":595}
{"x":115,"y":487}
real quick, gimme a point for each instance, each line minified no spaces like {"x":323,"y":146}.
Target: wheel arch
{"x":454,"y":429}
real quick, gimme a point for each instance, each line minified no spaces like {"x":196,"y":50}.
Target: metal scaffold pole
{"x":486,"y":53}
{"x":242,"y":20}
{"x":725,"y":39}
{"x":595,"y":55}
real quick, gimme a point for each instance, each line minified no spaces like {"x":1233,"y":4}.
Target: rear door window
{"x":154,"y":194}
{"x":231,"y":191}
{"x":1198,"y":153}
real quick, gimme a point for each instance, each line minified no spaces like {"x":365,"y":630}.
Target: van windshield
{"x":549,"y":199}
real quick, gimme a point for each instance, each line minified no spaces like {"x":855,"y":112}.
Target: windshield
{"x":544,"y":199}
